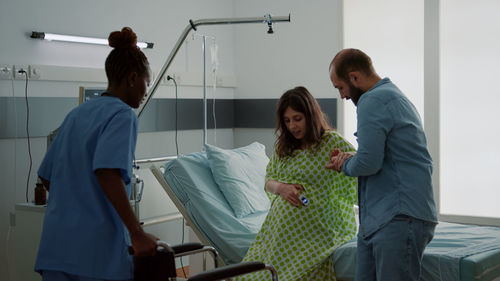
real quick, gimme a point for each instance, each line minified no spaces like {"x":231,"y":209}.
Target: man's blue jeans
{"x":395,"y":251}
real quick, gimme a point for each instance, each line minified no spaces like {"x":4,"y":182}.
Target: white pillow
{"x":240,"y":174}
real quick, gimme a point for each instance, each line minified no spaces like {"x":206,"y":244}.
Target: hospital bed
{"x":457,"y":252}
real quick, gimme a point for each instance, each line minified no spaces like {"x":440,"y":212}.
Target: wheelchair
{"x":161,"y":267}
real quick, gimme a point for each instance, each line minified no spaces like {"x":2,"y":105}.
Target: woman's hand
{"x":291,"y":193}
{"x":288,"y":191}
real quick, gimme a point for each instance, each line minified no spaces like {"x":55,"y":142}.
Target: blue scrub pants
{"x":395,"y":251}
{"x":50,"y":275}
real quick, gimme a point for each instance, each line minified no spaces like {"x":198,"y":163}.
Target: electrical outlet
{"x":34,"y":72}
{"x":21,"y":71}
{"x":6,"y":71}
{"x":177,"y":78}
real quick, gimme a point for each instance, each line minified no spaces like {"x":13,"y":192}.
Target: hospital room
{"x":209,"y":124}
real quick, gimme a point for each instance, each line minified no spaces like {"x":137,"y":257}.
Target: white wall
{"x":155,"y":21}
{"x":391,"y":32}
{"x":469,"y":113}
{"x":298,"y":53}
{"x":441,"y":54}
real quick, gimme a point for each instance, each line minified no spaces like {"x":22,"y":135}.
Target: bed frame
{"x":157,"y":172}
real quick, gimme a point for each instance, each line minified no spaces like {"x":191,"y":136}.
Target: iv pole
{"x":192,"y":25}
{"x":205,"y":90}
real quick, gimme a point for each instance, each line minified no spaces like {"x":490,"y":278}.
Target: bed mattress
{"x":457,"y":252}
{"x":190,"y":177}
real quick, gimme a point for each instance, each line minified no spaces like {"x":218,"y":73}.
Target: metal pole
{"x":157,"y":159}
{"x":192,"y":25}
{"x":204,"y":89}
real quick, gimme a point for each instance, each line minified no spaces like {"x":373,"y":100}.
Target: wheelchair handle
{"x":161,"y":244}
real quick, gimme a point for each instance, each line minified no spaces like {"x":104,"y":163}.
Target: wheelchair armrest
{"x":232,"y":271}
{"x":187,"y":247}
{"x":194,"y":248}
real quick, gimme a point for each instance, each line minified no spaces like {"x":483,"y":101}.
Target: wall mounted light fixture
{"x":80,"y":39}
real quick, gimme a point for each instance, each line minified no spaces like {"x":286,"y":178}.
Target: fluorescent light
{"x":80,"y":39}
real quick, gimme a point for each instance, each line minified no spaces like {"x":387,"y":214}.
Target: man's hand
{"x":337,"y":159}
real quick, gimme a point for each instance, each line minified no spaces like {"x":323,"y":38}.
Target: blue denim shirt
{"x":392,"y":163}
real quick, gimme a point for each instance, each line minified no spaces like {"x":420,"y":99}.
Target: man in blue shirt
{"x":397,"y":211}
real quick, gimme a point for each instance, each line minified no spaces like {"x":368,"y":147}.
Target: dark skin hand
{"x":45,"y":183}
{"x":111,"y":182}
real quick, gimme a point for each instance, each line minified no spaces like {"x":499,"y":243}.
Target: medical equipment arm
{"x":193,"y":25}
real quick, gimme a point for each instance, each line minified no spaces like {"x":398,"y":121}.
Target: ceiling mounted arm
{"x":193,"y":25}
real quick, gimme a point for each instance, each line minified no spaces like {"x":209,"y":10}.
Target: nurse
{"x":89,"y":223}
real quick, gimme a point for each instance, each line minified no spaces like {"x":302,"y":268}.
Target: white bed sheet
{"x":190,"y":177}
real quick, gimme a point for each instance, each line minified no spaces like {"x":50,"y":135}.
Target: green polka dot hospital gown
{"x":299,"y":241}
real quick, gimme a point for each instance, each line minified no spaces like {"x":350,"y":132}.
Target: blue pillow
{"x":240,"y":174}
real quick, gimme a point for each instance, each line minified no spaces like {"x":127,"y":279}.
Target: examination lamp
{"x":80,"y":39}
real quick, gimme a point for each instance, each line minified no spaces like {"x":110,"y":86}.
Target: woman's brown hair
{"x":300,"y":100}
{"x":126,"y":57}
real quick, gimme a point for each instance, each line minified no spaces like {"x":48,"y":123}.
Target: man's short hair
{"x":349,"y":60}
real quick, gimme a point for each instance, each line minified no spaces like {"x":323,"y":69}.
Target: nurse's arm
{"x":112,"y":184}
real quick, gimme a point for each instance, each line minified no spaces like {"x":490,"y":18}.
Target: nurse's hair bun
{"x":123,"y":39}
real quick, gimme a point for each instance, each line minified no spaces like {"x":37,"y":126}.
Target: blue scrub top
{"x":82,"y":232}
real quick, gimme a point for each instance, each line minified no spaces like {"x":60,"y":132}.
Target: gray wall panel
{"x":261,"y":113}
{"x":255,"y":113}
{"x":46,"y":114}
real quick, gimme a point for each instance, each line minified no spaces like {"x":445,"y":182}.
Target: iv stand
{"x":205,"y":90}
{"x":192,"y":25}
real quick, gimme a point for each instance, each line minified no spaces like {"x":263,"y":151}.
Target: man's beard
{"x":355,"y":93}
